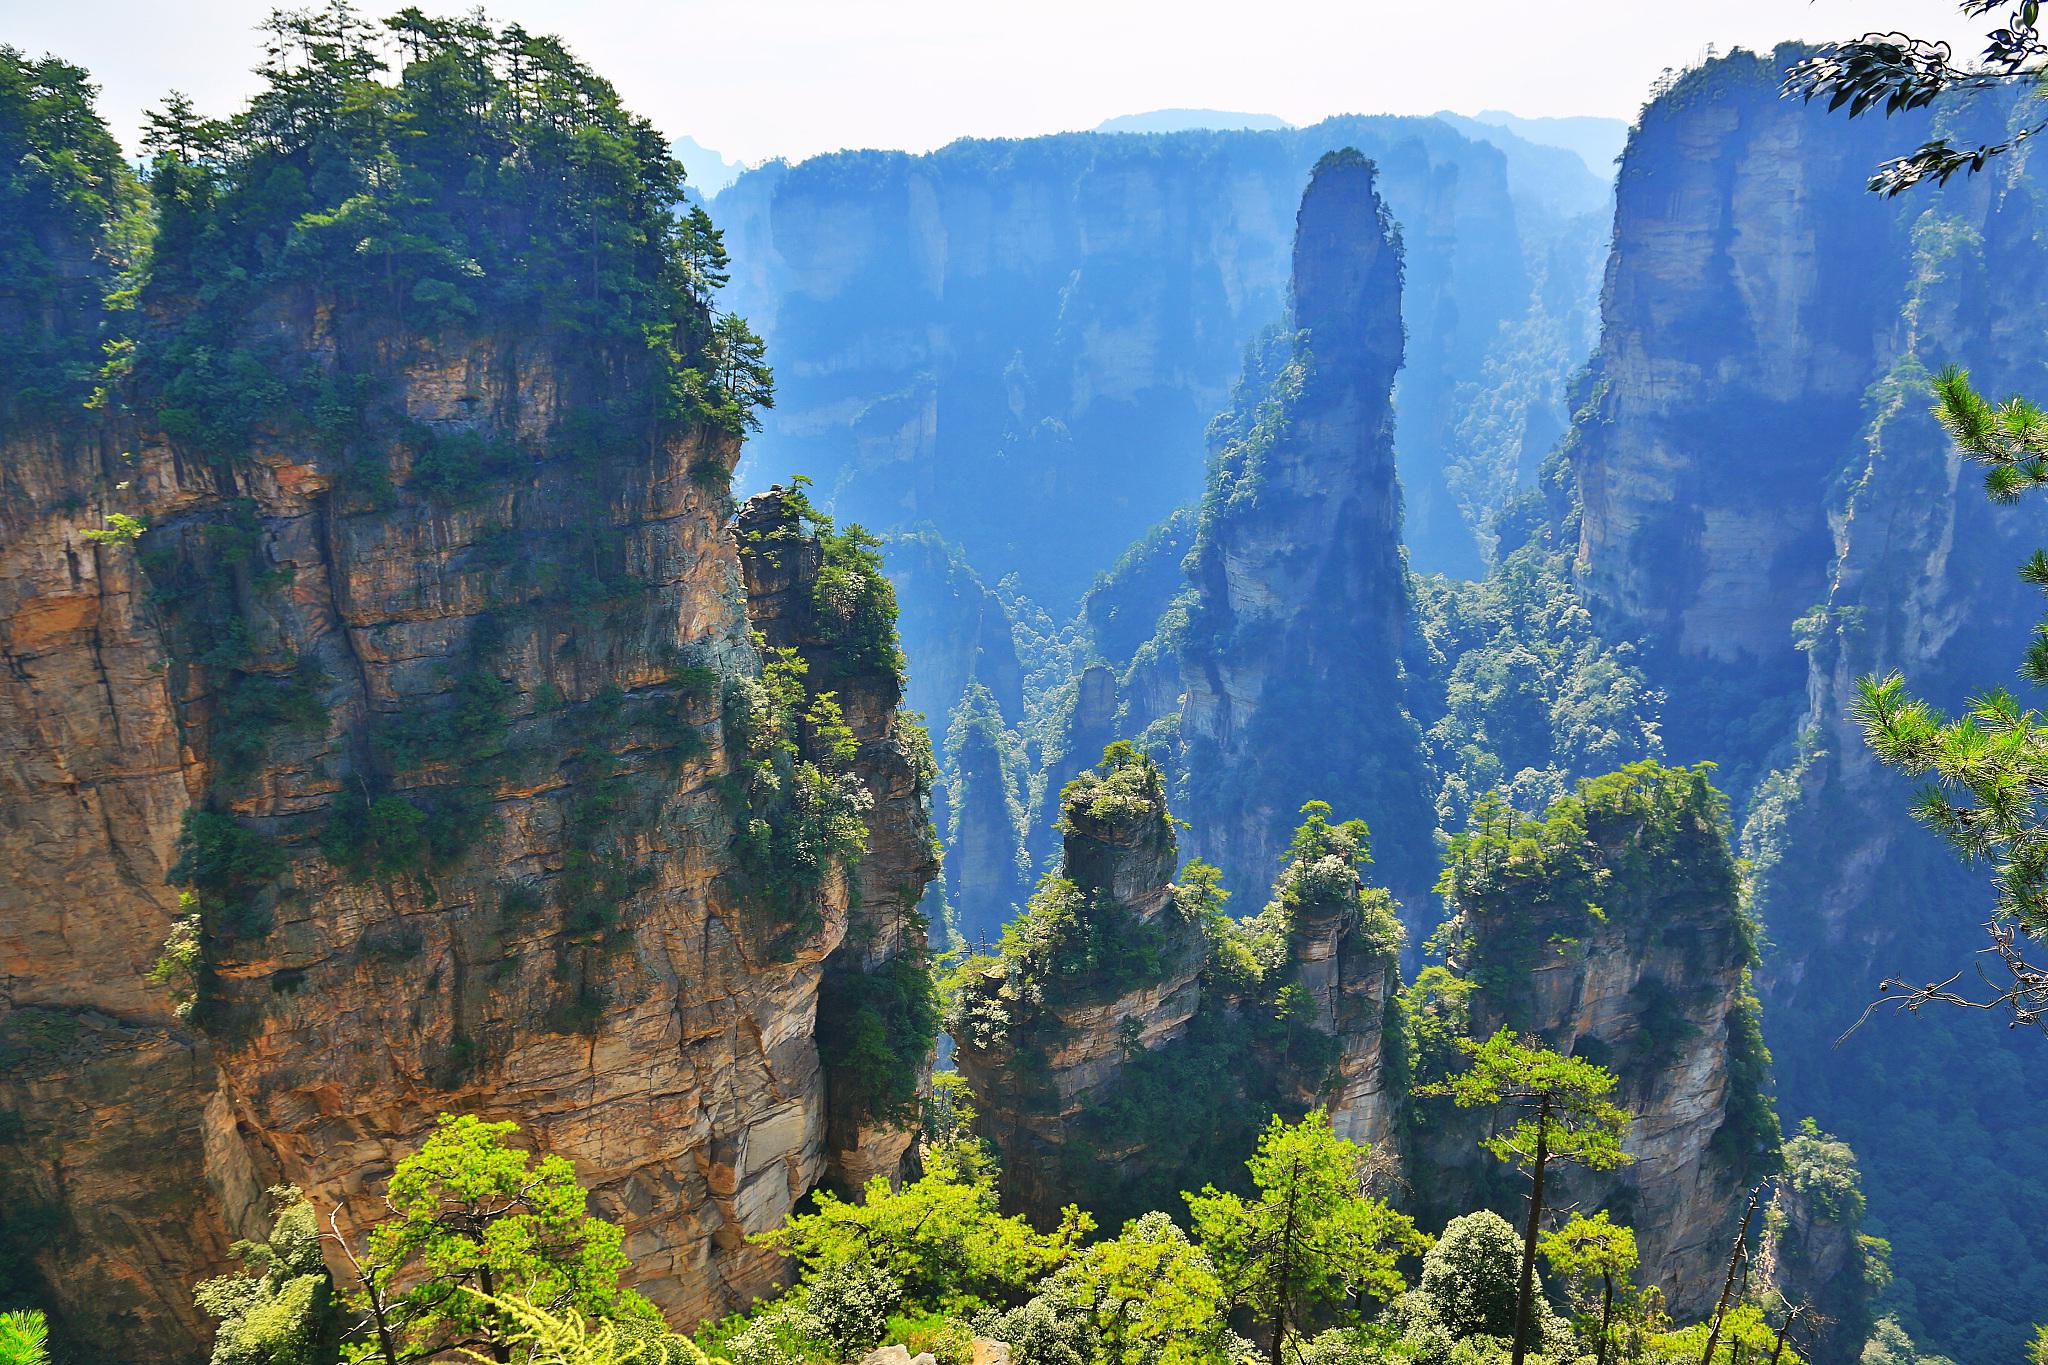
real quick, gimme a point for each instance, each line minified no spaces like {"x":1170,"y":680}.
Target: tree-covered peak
{"x":428,"y":176}
{"x":1125,"y":789}
{"x":1642,"y":820}
{"x":69,"y":222}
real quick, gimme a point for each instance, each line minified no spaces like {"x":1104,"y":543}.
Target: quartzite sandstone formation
{"x":1652,"y":982}
{"x":1768,"y":504}
{"x":1291,"y":655}
{"x":1128,"y":1043}
{"x":1614,"y":931}
{"x":537,"y":681}
{"x":1044,"y":1037}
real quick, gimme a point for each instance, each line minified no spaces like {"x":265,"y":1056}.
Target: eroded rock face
{"x":1130,"y":1042}
{"x":1351,"y":979}
{"x":782,"y":561}
{"x":585,"y":958}
{"x":1741,"y":324}
{"x":1290,"y":660}
{"x":1760,"y":477}
{"x":1623,"y":942}
{"x":1049,"y":1037}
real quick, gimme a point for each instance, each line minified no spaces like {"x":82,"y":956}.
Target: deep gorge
{"x":1158,"y":640}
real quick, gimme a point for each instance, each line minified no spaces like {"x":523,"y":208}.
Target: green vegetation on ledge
{"x":490,"y":1247}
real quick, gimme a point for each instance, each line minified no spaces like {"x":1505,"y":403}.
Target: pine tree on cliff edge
{"x":1565,"y":1117}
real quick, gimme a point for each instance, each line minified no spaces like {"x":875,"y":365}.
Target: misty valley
{"x":1207,"y":741}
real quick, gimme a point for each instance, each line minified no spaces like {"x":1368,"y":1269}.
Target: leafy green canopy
{"x":802,"y":806}
{"x":1823,"y":1169}
{"x":1560,"y":1100}
{"x":1075,"y":940}
{"x":281,"y":1309}
{"x":1592,"y":1256}
{"x":1628,"y":826}
{"x":940,"y":1236}
{"x":876,"y":1033}
{"x":1532,"y":696}
{"x":542,"y":1337}
{"x":853,"y":603}
{"x":1148,"y":1296}
{"x":1559,"y":1113}
{"x":1310,"y":1241}
{"x":1126,"y":786}
{"x":497,"y":180}
{"x":66,"y":197}
{"x":1618,"y":843}
{"x":472,"y":1218}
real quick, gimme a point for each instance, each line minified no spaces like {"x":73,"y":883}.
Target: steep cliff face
{"x":1115,"y":1067}
{"x":795,"y":589}
{"x":621,"y":993}
{"x":1101,"y":967}
{"x":1770,"y":329}
{"x":963,"y":628}
{"x":1020,"y":341}
{"x":1741,"y":324}
{"x":1291,"y":657}
{"x":981,"y":802}
{"x":1611,"y":930}
{"x":105,"y":1094}
{"x":1129,"y":1039}
{"x":425,"y":709}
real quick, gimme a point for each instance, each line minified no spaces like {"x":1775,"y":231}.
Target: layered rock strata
{"x":487,"y":864}
{"x":1105,"y":967}
{"x":1614,"y":931}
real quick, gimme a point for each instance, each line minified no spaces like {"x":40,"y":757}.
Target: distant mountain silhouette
{"x":1598,"y":141}
{"x":1183,"y":120}
{"x":709,"y":172}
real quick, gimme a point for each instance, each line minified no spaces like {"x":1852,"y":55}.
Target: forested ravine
{"x":1389,"y":709}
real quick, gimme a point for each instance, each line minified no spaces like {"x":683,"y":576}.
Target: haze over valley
{"x":1167,"y":726}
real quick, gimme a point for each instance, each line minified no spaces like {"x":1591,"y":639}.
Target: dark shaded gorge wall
{"x":1768,"y":505}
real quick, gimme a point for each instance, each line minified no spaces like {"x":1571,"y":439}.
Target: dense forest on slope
{"x":417,"y":744}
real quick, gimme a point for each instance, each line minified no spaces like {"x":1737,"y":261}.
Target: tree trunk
{"x":1282,"y":1273}
{"x":1784,"y":1330}
{"x":1522,"y":1301}
{"x":1728,"y":1284}
{"x":499,"y":1350}
{"x":1606,"y":1314}
{"x":385,"y":1341}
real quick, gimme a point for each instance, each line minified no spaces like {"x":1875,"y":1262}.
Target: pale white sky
{"x":761,"y":78}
